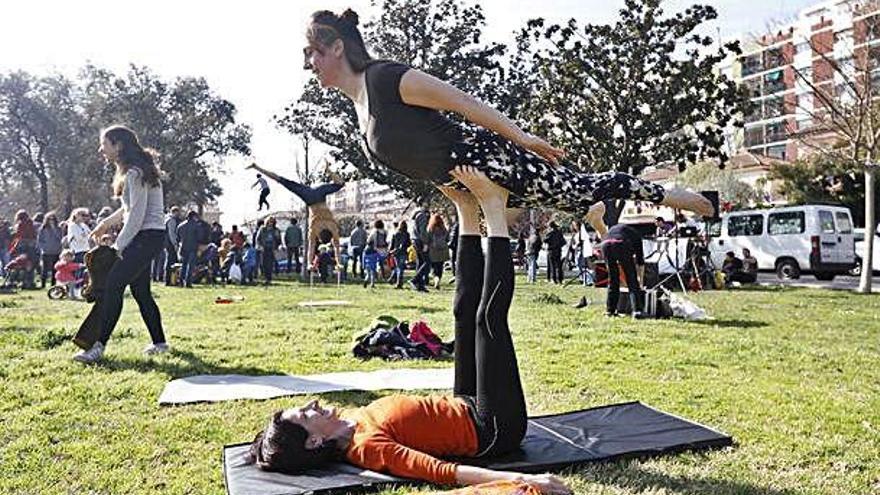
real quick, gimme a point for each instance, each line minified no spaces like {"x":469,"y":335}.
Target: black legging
{"x":554,"y":262}
{"x":310,"y":195}
{"x":264,"y":194}
{"x":622,"y":253}
{"x":486,"y":371}
{"x":48,"y":271}
{"x":133,"y":270}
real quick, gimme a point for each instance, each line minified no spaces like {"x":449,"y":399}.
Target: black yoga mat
{"x":552,"y":442}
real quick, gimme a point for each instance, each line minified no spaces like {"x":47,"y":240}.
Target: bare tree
{"x":843,"y":113}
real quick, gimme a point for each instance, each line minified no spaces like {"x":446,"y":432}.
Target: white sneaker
{"x":156,"y":349}
{"x":92,"y":355}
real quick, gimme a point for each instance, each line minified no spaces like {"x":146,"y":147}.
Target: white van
{"x":789,"y":240}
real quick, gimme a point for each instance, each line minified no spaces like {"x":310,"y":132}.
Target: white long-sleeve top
{"x":143,"y":208}
{"x":78,"y":237}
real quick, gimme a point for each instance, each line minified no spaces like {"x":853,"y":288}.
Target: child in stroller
{"x":17,"y":272}
{"x":67,"y":283}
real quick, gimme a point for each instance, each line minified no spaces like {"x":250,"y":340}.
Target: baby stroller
{"x":17,"y":272}
{"x":62,"y":291}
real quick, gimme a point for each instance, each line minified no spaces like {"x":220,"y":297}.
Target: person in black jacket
{"x":555,"y":242}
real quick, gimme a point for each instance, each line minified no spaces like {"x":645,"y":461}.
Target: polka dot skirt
{"x":535,"y":182}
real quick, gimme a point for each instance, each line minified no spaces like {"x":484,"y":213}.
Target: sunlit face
{"x":108,"y":150}
{"x":325,"y":62}
{"x":322,"y":424}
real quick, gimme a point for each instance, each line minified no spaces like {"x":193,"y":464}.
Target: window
{"x":773,"y":58}
{"x":845,"y":36}
{"x":754,"y":136}
{"x":803,"y":74}
{"x":786,"y":222}
{"x":755,"y":113}
{"x":873,"y":57}
{"x":844,"y":225}
{"x":803,"y":47}
{"x":753,"y":86}
{"x":713,"y":228}
{"x":826,"y":221}
{"x":775,"y":132}
{"x":774,"y":82}
{"x":774,"y":107}
{"x":872,"y":28}
{"x":745,"y":225}
{"x":777,"y":151}
{"x":752,"y":64}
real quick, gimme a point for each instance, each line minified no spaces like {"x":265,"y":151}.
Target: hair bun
{"x":350,"y":17}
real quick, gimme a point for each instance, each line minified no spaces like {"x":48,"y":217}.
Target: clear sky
{"x":250,"y":52}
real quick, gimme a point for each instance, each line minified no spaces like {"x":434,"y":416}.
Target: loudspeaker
{"x":712,"y":196}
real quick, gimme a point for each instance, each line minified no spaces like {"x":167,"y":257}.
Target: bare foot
{"x":596,"y":212}
{"x":681,"y":199}
{"x":461,"y":199}
{"x":467,"y":208}
{"x":486,"y":191}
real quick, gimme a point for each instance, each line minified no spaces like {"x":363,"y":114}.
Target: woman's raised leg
{"x":500,"y":402}
{"x":468,"y":289}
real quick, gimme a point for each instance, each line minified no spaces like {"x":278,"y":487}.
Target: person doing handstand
{"x":320,"y":216}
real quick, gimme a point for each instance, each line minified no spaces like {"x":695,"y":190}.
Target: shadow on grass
{"x":630,"y":476}
{"x":729,"y":323}
{"x":190,"y":365}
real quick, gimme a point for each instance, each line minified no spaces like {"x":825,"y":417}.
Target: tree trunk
{"x":44,"y":194}
{"x":870,"y":229}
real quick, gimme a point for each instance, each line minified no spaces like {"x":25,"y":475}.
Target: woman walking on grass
{"x":138,"y":183}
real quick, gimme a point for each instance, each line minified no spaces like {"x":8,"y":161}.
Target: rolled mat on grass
{"x":217,"y":388}
{"x":552,"y":442}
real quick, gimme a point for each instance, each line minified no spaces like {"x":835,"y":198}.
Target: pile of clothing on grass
{"x":391,"y":339}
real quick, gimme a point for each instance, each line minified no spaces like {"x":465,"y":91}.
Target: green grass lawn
{"x":792,"y":374}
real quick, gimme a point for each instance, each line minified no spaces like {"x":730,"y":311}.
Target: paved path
{"x":839,"y":282}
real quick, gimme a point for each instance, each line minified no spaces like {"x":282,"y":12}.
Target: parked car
{"x":859,"y":235}
{"x":790,"y":240}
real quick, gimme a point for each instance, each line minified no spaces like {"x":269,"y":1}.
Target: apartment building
{"x":780,"y":69}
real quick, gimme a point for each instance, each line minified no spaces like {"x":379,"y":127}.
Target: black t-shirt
{"x":624,"y":233}
{"x":415,"y":141}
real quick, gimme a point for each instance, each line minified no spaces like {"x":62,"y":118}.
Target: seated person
{"x":662,"y":227}
{"x":748,"y":273}
{"x":409,"y":435}
{"x":732,"y":267}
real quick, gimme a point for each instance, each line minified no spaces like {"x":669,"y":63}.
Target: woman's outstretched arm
{"x":420,"y":89}
{"x":547,"y":483}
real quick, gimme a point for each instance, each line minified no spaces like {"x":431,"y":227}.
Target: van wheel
{"x":825,"y":277}
{"x":788,"y":270}
{"x":856,"y":270}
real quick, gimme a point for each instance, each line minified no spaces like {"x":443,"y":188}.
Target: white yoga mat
{"x":216,"y":388}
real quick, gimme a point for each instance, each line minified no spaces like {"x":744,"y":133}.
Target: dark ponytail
{"x":327,"y":27}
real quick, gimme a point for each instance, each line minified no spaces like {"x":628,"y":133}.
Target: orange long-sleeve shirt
{"x":404,"y":435}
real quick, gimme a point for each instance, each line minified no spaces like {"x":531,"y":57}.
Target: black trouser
{"x":133,"y":270}
{"x":158,"y":268}
{"x":264,"y":193}
{"x":268,"y":264}
{"x":554,"y":260}
{"x":292,"y":259}
{"x":170,"y":261}
{"x":437,"y":268}
{"x":357,"y":254}
{"x":423,"y":269}
{"x":48,"y":271}
{"x":486,"y":371}
{"x":621,"y":253}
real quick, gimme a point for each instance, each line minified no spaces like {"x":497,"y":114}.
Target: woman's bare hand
{"x":542,"y":148}
{"x":548,"y":484}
